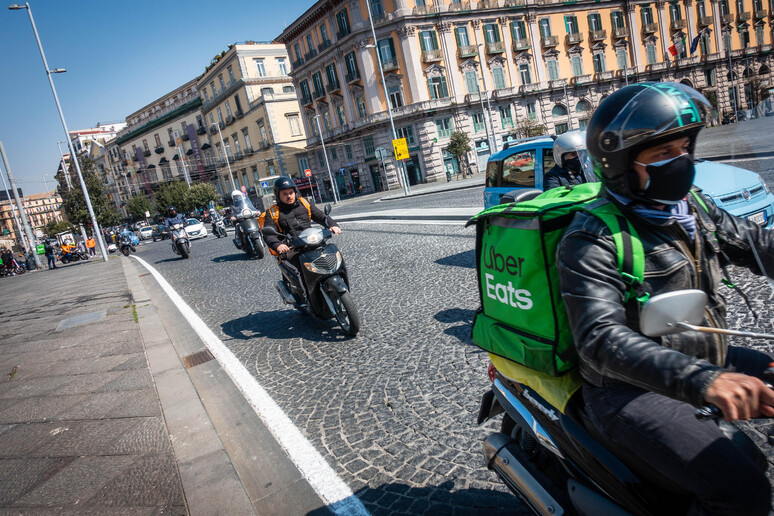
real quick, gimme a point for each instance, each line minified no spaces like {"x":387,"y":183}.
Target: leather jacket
{"x":293,"y":219}
{"x":606,"y":328}
{"x":559,"y":176}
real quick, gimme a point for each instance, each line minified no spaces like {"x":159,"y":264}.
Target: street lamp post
{"x":401,"y":169}
{"x":25,"y":223}
{"x":225,"y":154}
{"x":327,"y":164}
{"x":13,"y":211}
{"x":488,"y":107}
{"x":567,"y":107}
{"x":95,"y":224}
{"x":50,"y":200}
{"x":731,"y":74}
{"x":486,"y":127}
{"x":65,"y":172}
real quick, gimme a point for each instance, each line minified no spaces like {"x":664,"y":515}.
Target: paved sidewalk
{"x":97,"y":412}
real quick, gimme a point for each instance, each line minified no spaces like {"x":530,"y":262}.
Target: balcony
{"x":171,"y":143}
{"x":238,"y":156}
{"x":185,"y":136}
{"x":678,"y":24}
{"x":488,"y":4}
{"x":147,"y":153}
{"x":604,"y":76}
{"x":505,"y":92}
{"x":743,"y":16}
{"x":311,"y":54}
{"x":467,"y":51}
{"x":331,"y":88}
{"x":459,"y":6}
{"x":515,"y":3}
{"x":213,"y":129}
{"x":230,"y":120}
{"x":422,"y":10}
{"x":135,"y":158}
{"x":751,"y":50}
{"x":352,"y":76}
{"x":306,"y":100}
{"x":343,"y":33}
{"x":712,"y":57}
{"x":650,"y":28}
{"x":705,"y":21}
{"x":201,"y":130}
{"x":766,"y":48}
{"x":322,"y":46}
{"x":529,"y":88}
{"x":760,"y":14}
{"x":471,"y":98}
{"x":620,"y":32}
{"x":495,"y":47}
{"x":557,"y":84}
{"x":382,"y":17}
{"x":391,"y":63}
{"x":298,"y":62}
{"x":249,"y":151}
{"x":580,"y":79}
{"x":597,"y":35}
{"x":431,"y":56}
{"x":521,"y":44}
{"x":688,"y":61}
{"x":240,"y":113}
{"x":627,"y":72}
{"x":656,"y":67}
{"x":318,"y":94}
{"x":549,"y":41}
{"x":264,"y":145}
{"x":727,"y":18}
{"x":574,"y":38}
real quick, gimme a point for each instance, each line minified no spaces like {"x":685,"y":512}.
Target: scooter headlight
{"x":313,"y":238}
{"x":325,"y":263}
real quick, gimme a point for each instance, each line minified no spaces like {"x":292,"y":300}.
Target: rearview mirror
{"x":660,"y":314}
{"x":327,"y":209}
{"x":267,"y":231}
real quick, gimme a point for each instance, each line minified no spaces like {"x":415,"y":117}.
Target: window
{"x":228,"y":109}
{"x":548,"y":160}
{"x":342,"y":21}
{"x":519,"y":169}
{"x":595,"y":21}
{"x":341,"y":115}
{"x":647,"y":15}
{"x":560,"y":128}
{"x":145,"y":146}
{"x":471,"y":81}
{"x":206,"y":96}
{"x":377,"y":10}
{"x":324,"y":39}
{"x":506,"y":119}
{"x":559,"y":110}
{"x":571,"y":24}
{"x":231,"y":75}
{"x":396,"y":98}
{"x":283,"y":67}
{"x":524,"y":74}
{"x":709,"y":77}
{"x":297,"y":49}
{"x":368,"y":145}
{"x":295,"y":126}
{"x":246,"y":136}
{"x":724,"y":7}
{"x":361,"y":106}
{"x":220,"y":116}
{"x":157,"y":139}
{"x":333,"y":79}
{"x":288,"y":89}
{"x":531,"y":114}
{"x":407,"y":133}
{"x":617,"y":18}
{"x":214,"y":91}
{"x":222,"y":84}
{"x":582,"y":106}
{"x":310,"y":45}
{"x":599,"y":62}
{"x":545,"y":27}
{"x":478,"y":122}
{"x":334,"y":155}
{"x":577,"y":65}
{"x":227,"y":145}
{"x":318,"y":85}
{"x":437,"y":87}
{"x":498,"y":78}
{"x":326,"y":118}
{"x":461,"y":33}
{"x":321,"y":158}
{"x":553,"y":70}
{"x":428,"y":40}
{"x":491,"y":33}
{"x":620,"y":57}
{"x":650,"y":53}
{"x":704,"y":44}
{"x":701,"y":11}
{"x":256,"y":177}
{"x":262,"y":132}
{"x":387,"y":52}
{"x":444,"y":127}
{"x":348,"y":151}
{"x":674,"y":11}
{"x":237,"y":148}
{"x":351,"y":63}
{"x":758,"y":34}
{"x":518,"y":30}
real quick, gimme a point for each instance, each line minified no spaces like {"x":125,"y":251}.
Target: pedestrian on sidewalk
{"x":91,"y":244}
{"x":48,"y":249}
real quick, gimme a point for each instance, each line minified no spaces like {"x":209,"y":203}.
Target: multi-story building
{"x":251,"y":110}
{"x":103,"y":133}
{"x":503,"y":67}
{"x":147,"y":153}
{"x":39,"y":208}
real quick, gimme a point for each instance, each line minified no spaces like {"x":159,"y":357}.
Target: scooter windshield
{"x":243,"y":203}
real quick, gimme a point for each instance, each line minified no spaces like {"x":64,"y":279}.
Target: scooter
{"x":73,"y":256}
{"x":558,"y":463}
{"x":325,"y":278}
{"x":247,"y":233}
{"x":180,"y":243}
{"x":125,"y":244}
{"x":219,"y":227}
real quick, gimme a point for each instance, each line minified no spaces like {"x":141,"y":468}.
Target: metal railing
{"x":459,"y":6}
{"x":573,"y":38}
{"x":495,"y":47}
{"x":467,"y":51}
{"x":425,"y":9}
{"x":705,"y":21}
{"x":549,"y":41}
{"x":352,"y":76}
{"x":620,"y":32}
{"x":391,"y":63}
{"x":521,"y":44}
{"x":429,"y":56}
{"x":650,"y":28}
{"x":678,"y":24}
{"x":597,"y":35}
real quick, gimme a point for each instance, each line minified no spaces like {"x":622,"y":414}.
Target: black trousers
{"x":661,"y":438}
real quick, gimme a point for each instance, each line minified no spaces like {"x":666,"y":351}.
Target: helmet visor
{"x":657,"y":110}
{"x":586,"y":167}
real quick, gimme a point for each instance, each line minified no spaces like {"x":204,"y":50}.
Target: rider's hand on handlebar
{"x":283,"y":248}
{"x":336,"y":230}
{"x":740,"y":396}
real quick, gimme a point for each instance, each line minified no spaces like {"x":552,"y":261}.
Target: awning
{"x":163,"y":160}
{"x":151,"y":166}
{"x":205,"y":146}
{"x":176,"y":158}
{"x":190,"y":151}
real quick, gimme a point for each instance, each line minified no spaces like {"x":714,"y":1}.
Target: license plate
{"x":758,"y":218}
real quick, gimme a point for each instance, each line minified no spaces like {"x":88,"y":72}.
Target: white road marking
{"x":323,"y":479}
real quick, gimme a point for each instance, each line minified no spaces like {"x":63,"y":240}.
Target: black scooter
{"x":325,"y":278}
{"x":247,"y":233}
{"x":558,"y":463}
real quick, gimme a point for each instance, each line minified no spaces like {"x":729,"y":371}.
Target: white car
{"x":195,"y":229}
{"x":112,"y":248}
{"x":145,"y":232}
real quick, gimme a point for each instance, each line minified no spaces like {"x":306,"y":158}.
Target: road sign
{"x":381,"y":153}
{"x":401,"y":148}
{"x":265,"y":184}
{"x":308,"y":173}
{"x":244,"y":189}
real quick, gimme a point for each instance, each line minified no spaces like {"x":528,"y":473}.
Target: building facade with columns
{"x":496,"y":69}
{"x":40,"y":210}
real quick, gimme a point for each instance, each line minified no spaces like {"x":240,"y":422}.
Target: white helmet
{"x":571,"y":141}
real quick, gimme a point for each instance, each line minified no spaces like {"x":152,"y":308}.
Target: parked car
{"x":195,"y":229}
{"x":523,"y":164}
{"x":145,"y":232}
{"x":159,"y":232}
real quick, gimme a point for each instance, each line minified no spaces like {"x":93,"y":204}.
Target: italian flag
{"x":678,"y":47}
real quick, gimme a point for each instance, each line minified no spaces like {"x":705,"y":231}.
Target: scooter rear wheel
{"x":126,"y":251}
{"x":346,"y":313}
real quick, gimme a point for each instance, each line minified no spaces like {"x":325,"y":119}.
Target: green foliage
{"x":74,"y":203}
{"x":54,"y":227}
{"x":201,"y":194}
{"x":174,"y":194}
{"x":459,"y":144}
{"x":712,"y":96}
{"x":528,"y":127}
{"x":138,"y":205}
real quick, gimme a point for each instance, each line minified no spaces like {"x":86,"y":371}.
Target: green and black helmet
{"x":637,"y":117}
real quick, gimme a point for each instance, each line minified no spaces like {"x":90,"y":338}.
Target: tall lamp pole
{"x":401,"y":169}
{"x":94,"y":223}
{"x":225,"y":154}
{"x":65,"y":172}
{"x":25,"y":223}
{"x":13,"y":211}
{"x":325,"y":153}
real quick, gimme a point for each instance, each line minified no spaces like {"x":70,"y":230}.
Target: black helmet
{"x":637,"y":117}
{"x":283,"y":183}
{"x":172,"y":211}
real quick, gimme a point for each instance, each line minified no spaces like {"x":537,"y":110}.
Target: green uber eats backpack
{"x":522,"y":315}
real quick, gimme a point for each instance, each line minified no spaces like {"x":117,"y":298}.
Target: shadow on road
{"x":457,"y":315}
{"x":238,"y":257}
{"x":282,"y":325}
{"x":398,"y":498}
{"x":466,"y":259}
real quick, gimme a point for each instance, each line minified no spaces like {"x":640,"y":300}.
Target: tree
{"x":138,"y":205}
{"x":175,"y":194}
{"x":53,"y":227}
{"x":459,"y":146}
{"x":201,"y":194}
{"x":74,"y":203}
{"x":527,"y":127}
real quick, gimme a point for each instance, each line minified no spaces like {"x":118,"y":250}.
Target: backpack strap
{"x":306,"y":205}
{"x":274,"y":214}
{"x":631,"y":256}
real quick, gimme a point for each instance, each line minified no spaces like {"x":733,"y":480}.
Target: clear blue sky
{"x":120,"y":55}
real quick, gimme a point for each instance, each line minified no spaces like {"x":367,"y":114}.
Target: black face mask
{"x":669,"y":180}
{"x":573,"y":164}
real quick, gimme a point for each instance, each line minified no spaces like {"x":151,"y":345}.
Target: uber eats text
{"x":505,"y":292}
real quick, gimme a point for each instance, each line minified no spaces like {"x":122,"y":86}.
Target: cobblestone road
{"x":393,"y":410}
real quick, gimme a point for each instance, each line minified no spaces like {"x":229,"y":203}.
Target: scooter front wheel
{"x":346,"y":313}
{"x":184,"y":251}
{"x":126,"y":251}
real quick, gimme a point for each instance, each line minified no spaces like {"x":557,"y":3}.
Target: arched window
{"x":559,"y":110}
{"x":583,"y":106}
